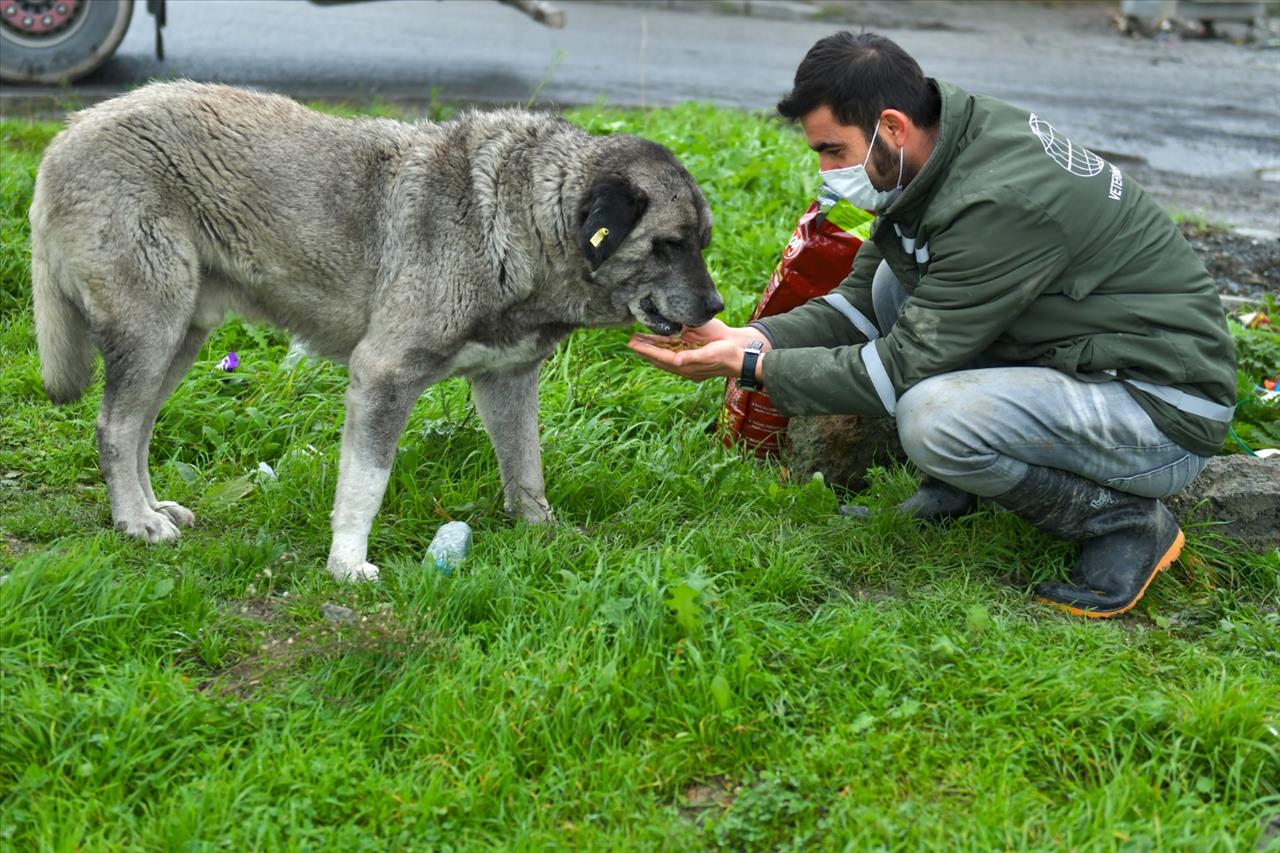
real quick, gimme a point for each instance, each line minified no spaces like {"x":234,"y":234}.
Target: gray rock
{"x":842,"y":447}
{"x":337,"y":614}
{"x":1243,"y":492}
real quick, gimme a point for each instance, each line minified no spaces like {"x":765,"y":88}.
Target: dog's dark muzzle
{"x":655,"y":320}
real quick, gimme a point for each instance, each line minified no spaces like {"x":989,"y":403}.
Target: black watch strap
{"x":747,"y":380}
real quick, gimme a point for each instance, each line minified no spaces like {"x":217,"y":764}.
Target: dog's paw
{"x":346,"y":573}
{"x":178,"y":514}
{"x":534,"y":513}
{"x":151,"y":526}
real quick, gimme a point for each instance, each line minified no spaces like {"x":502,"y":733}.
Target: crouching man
{"x":1041,"y":331}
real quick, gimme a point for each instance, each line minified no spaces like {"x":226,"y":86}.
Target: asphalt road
{"x":1193,"y":110}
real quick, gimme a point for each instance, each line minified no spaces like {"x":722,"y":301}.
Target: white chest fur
{"x":485,"y":358}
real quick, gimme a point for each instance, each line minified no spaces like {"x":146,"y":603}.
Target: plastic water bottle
{"x":450,"y":545}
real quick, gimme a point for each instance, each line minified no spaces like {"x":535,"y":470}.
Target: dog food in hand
{"x":677,"y":345}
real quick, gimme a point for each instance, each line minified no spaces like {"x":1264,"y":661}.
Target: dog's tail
{"x":62,"y":332}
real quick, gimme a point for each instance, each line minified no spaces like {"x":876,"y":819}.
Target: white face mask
{"x":852,"y":184}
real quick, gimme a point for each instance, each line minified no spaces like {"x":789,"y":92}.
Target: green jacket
{"x":1014,"y":244}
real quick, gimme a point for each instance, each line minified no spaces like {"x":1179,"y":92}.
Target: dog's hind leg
{"x":140,"y":318}
{"x":178,"y":367}
{"x":508,"y":406}
{"x":385,"y":383}
{"x":136,"y":361}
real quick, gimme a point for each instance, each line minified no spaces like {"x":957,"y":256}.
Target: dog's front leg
{"x":508,"y":405}
{"x":381,"y":394}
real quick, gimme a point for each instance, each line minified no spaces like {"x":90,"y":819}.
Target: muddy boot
{"x":1127,"y":540}
{"x":933,"y":501}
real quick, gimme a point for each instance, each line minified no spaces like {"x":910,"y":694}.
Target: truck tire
{"x":55,"y":41}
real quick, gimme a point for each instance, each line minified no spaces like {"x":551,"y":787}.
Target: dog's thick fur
{"x":412,"y":252}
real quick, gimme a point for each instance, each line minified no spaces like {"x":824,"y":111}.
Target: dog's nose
{"x":714,"y":304}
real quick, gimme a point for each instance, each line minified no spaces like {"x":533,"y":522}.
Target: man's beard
{"x":886,"y":164}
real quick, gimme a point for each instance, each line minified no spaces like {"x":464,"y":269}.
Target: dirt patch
{"x":875,"y":594}
{"x":1241,"y":265}
{"x":263,"y":610}
{"x":282,"y":650}
{"x":15,"y":547}
{"x":707,"y":795}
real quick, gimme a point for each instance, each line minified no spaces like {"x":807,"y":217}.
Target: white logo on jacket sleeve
{"x":1117,"y":184}
{"x":1080,"y":162}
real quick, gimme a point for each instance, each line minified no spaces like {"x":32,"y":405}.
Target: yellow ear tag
{"x":598,"y":237}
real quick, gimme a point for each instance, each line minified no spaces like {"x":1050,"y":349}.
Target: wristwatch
{"x":747,"y":381}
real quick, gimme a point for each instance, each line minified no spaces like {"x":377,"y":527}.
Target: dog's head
{"x":643,"y":225}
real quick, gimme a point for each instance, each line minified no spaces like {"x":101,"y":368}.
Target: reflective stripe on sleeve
{"x":853,"y":315}
{"x":1185,"y":402}
{"x":879,"y":376}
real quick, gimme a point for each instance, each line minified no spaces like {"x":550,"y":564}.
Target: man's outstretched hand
{"x":719,"y":351}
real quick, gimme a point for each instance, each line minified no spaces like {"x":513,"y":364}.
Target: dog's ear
{"x":608,"y":212}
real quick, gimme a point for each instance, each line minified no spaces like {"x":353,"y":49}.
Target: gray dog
{"x":412,"y":252}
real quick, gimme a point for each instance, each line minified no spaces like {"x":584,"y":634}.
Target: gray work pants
{"x":980,"y":428}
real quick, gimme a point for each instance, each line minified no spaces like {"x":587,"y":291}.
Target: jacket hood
{"x":953,"y":123}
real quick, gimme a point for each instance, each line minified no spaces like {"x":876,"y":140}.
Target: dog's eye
{"x":667,"y":247}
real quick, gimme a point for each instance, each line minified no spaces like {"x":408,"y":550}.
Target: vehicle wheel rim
{"x":41,"y":23}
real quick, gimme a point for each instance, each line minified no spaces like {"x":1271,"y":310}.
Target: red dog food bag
{"x":815,"y":260}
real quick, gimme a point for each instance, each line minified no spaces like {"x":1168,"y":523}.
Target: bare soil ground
{"x":1242,"y":265}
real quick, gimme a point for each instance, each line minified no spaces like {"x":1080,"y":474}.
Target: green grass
{"x":699,"y":654}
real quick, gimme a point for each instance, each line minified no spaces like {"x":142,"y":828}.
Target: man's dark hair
{"x":857,"y":78}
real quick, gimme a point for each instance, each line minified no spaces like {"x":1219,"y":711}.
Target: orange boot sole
{"x":1167,"y":560}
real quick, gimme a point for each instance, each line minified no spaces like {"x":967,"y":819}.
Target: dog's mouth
{"x":653,"y":318}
